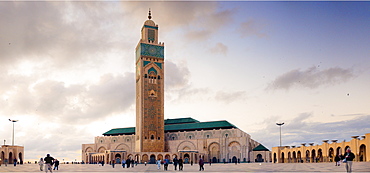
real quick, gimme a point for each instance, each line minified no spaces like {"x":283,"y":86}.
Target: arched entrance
{"x":362,"y":154}
{"x":275,"y":159}
{"x":214,"y":160}
{"x":339,"y":151}
{"x":299,"y":156}
{"x":118,"y":158}
{"x":282,"y":157}
{"x":308,"y":156}
{"x":331,"y":154}
{"x":234,"y":160}
{"x":145,"y":158}
{"x":313,"y":156}
{"x":152,"y":159}
{"x":319,"y":155}
{"x":186,"y":158}
{"x":259,"y":158}
{"x":294,"y":157}
{"x":20,"y":158}
{"x":10,"y":158}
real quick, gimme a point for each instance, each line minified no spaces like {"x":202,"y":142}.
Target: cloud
{"x":74,"y":104}
{"x":177,"y":75}
{"x":219,"y":48}
{"x":229,"y":97}
{"x":61,"y":33}
{"x":251,"y":28}
{"x":311,"y":78}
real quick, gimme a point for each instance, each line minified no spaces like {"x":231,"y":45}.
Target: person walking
{"x":113,"y":163}
{"x":166,"y":161}
{"x":337,"y":160}
{"x":48,"y":162}
{"x":201,"y":164}
{"x":123,"y":163}
{"x":56,"y":164}
{"x":159,"y":164}
{"x":175,"y":162}
{"x":41,"y":163}
{"x":348,"y":160}
{"x":181,"y":164}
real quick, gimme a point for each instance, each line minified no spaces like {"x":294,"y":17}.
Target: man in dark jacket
{"x":201,"y":164}
{"x":48,"y":162}
{"x":175,"y":162}
{"x":349,"y":158}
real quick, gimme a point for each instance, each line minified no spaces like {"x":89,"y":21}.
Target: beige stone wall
{"x":325,"y":152}
{"x":11,"y":152}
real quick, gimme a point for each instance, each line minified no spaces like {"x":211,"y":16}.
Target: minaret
{"x":149,"y":90}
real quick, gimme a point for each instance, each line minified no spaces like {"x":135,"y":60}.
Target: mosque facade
{"x":156,"y":138}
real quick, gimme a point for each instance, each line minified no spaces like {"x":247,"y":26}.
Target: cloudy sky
{"x":67,"y":69}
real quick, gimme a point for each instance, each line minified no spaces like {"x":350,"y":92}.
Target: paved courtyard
{"x":244,"y":167}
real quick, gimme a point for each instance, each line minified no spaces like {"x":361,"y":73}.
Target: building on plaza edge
{"x":9,"y":153}
{"x":325,"y":152}
{"x":156,"y":138}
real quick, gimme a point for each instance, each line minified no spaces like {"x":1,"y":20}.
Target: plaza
{"x":220,"y":167}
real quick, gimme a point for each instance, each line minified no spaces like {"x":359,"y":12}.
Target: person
{"x":181,"y":164}
{"x":102,"y":163}
{"x":113,"y":163}
{"x":56,"y":164}
{"x":15,"y":162}
{"x":191,"y":163}
{"x":48,"y":162}
{"x":128,"y":163}
{"x":6,"y":162}
{"x":175,"y":162}
{"x":159,"y":164}
{"x":145,"y":163}
{"x":201,"y":164}
{"x":41,"y":163}
{"x":123,"y":163}
{"x":0,"y":161}
{"x":132,"y":163}
{"x":165,"y":164}
{"x":349,"y":158}
{"x":337,"y":160}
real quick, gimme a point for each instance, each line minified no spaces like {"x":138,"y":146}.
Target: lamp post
{"x":13,"y":121}
{"x":280,"y":124}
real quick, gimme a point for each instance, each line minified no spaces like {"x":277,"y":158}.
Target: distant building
{"x":325,"y":152}
{"x":155,"y":138}
{"x":9,"y":152}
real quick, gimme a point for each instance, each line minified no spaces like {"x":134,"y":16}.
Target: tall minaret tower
{"x":149,"y":90}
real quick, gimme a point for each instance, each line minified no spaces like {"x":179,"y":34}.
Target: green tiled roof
{"x":199,"y":126}
{"x":260,"y":148}
{"x":180,"y":121}
{"x":120,"y":131}
{"x":175,"y":127}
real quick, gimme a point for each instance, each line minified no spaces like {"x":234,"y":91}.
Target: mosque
{"x":156,"y":138}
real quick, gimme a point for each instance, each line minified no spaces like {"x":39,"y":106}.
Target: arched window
{"x":152,"y":137}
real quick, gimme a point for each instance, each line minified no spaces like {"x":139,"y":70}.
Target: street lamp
{"x":280,"y":124}
{"x":13,"y":130}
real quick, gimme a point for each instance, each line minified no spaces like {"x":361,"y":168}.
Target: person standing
{"x":56,"y":164}
{"x":48,"y":162}
{"x":41,"y":163}
{"x":159,"y":164}
{"x":181,"y":164}
{"x":15,"y":162}
{"x":349,"y":158}
{"x":175,"y":162}
{"x":201,"y":164}
{"x":6,"y":162}
{"x":128,"y":163}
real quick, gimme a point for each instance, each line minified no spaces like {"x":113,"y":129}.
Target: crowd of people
{"x":47,"y":163}
{"x":345,"y":158}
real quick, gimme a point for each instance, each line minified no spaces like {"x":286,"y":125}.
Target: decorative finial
{"x":150,"y":15}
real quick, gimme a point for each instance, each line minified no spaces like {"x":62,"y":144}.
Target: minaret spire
{"x":150,"y":15}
